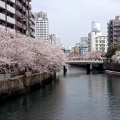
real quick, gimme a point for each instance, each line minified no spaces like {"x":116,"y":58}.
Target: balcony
{"x":2,"y":4}
{"x":10,"y":20}
{"x":24,"y":8}
{"x":13,"y":1}
{"x":18,"y":13}
{"x":11,"y":9}
{"x":2,"y":16}
{"x":30,"y":7}
{"x":33,"y":20}
{"x":24,"y":1}
{"x":19,"y":4}
{"x":19,"y":24}
{"x":27,"y":2}
{"x":33,"y":27}
{"x":24,"y":27}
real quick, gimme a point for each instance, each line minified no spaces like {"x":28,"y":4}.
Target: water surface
{"x":76,"y":96}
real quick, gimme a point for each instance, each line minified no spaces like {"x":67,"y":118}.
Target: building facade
{"x":91,"y":40}
{"x":54,"y":39}
{"x":41,"y":26}
{"x":101,"y":43}
{"x":83,"y":45}
{"x":114,"y":31}
{"x":15,"y":15}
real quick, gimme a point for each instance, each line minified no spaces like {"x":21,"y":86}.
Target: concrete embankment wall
{"x":111,"y":66}
{"x":22,"y":84}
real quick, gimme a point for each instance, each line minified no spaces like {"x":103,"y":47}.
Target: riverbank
{"x":22,"y":84}
{"x":112,"y":72}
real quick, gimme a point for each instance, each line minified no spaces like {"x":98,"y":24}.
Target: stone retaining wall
{"x":21,"y":84}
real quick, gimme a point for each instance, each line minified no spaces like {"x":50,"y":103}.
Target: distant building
{"x":83,"y":45}
{"x":91,"y":40}
{"x":114,"y":31}
{"x":95,"y":26}
{"x":101,"y":43}
{"x":96,"y":40}
{"x":54,"y":39}
{"x":41,"y":26}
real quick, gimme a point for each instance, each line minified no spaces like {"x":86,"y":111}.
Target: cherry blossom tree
{"x":96,"y":55}
{"x":28,"y":52}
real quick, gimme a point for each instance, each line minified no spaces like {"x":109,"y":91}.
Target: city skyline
{"x":72,"y":19}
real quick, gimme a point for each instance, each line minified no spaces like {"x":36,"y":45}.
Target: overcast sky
{"x":71,"y":19}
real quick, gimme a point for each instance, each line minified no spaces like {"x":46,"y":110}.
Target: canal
{"x":76,"y":96}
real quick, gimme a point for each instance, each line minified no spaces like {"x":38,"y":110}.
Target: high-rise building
{"x":54,"y":39}
{"x":114,"y":31}
{"x":15,"y":15}
{"x":41,"y":26}
{"x":95,"y":26}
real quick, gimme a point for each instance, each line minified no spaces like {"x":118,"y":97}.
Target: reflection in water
{"x":76,"y":96}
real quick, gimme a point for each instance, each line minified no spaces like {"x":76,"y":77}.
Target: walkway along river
{"x":76,"y":96}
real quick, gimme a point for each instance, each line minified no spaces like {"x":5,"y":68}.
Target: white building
{"x":101,"y":43}
{"x":91,"y":40}
{"x":95,"y":26}
{"x":54,"y":39}
{"x":41,"y":26}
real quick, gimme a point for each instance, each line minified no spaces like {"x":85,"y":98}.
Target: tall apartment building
{"x":15,"y":15}
{"x":114,"y":31}
{"x":41,"y":26}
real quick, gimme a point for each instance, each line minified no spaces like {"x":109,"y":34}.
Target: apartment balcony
{"x":19,"y":24}
{"x":27,"y":2}
{"x":10,"y":20}
{"x":2,"y":4}
{"x":24,"y":1}
{"x":30,"y":23}
{"x":24,"y":27}
{"x":33,"y":27}
{"x":24,"y":8}
{"x":12,"y":1}
{"x":18,"y":13}
{"x":117,"y":24}
{"x":30,"y":7}
{"x":32,"y":19}
{"x":11,"y":30}
{"x":2,"y":16}
{"x":19,"y":4}
{"x":11,"y":9}
{"x":3,"y":27}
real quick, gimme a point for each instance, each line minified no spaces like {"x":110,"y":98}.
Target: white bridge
{"x":88,"y":63}
{"x":84,"y":62}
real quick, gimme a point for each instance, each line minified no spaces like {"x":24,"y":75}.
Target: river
{"x":76,"y":96}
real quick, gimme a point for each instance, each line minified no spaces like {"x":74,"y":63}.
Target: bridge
{"x":88,"y":63}
{"x":84,"y":62}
